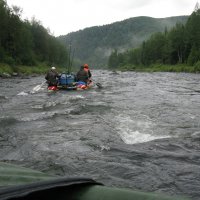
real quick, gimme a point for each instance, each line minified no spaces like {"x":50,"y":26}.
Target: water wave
{"x":22,"y":93}
{"x":76,"y":97}
{"x":89,"y":108}
{"x":3,"y":97}
{"x":117,"y":135}
{"x":7,"y":121}
{"x":133,"y":130}
{"x":42,"y":115}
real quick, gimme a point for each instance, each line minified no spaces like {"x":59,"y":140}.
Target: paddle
{"x":99,"y":85}
{"x":38,"y":87}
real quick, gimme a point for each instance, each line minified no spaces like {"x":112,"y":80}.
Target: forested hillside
{"x":25,"y":42}
{"x":28,"y":43}
{"x":180,"y":45}
{"x":94,"y":45}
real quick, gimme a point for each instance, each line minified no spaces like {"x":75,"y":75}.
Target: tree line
{"x":179,"y":45}
{"x":95,"y":44}
{"x":24,"y":42}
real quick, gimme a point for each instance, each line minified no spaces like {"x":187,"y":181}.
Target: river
{"x":140,"y":131}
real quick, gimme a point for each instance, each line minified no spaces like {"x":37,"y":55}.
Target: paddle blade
{"x":99,"y":85}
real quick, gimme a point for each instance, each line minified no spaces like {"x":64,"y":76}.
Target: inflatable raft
{"x":25,"y":184}
{"x":68,"y":82}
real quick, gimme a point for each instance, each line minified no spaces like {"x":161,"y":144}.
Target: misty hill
{"x":94,"y":45}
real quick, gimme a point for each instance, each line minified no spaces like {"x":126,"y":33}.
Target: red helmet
{"x":86,"y":66}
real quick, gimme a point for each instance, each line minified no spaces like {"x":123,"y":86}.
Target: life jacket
{"x":82,"y":75}
{"x":52,"y":88}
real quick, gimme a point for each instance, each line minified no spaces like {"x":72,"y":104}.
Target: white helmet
{"x":53,"y":68}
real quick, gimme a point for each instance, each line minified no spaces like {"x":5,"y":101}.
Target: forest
{"x":177,"y":49}
{"x":27,"y":43}
{"x":95,"y":44}
{"x":139,"y":43}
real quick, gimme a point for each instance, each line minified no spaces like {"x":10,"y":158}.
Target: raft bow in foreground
{"x":25,"y":184}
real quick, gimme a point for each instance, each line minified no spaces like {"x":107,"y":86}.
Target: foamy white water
{"x":134,"y":131}
{"x":22,"y":94}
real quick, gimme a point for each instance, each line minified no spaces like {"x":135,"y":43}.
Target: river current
{"x":140,"y":131}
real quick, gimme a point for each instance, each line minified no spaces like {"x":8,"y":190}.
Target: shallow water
{"x":140,"y":131}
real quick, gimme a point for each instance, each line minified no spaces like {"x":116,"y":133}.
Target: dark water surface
{"x":141,"y":131}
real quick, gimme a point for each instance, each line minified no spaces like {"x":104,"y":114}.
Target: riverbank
{"x":7,"y":71}
{"x":164,"y":68}
{"x":10,"y":71}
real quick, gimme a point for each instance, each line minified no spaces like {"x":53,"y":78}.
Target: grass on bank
{"x":26,"y":70}
{"x":43,"y":69}
{"x":164,"y":68}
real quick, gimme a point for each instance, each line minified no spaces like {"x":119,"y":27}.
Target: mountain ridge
{"x":94,"y":44}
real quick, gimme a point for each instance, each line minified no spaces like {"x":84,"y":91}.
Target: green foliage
{"x":177,"y":44}
{"x":194,"y":55}
{"x":27,"y":43}
{"x":22,"y":69}
{"x":197,"y":66}
{"x":94,"y":45}
{"x":175,"y":50}
{"x":168,"y":68}
{"x":5,"y":68}
{"x":28,"y":70}
{"x":153,"y":50}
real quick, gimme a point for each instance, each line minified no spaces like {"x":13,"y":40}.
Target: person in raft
{"x":52,"y":77}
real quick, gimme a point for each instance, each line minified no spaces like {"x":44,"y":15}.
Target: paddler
{"x":52,"y":77}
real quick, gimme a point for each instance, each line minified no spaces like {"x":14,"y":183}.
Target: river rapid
{"x":140,"y":131}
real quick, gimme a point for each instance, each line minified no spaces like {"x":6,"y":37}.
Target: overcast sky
{"x":64,"y":16}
